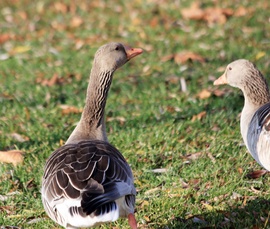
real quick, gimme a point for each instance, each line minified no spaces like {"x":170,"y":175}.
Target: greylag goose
{"x":255,"y":116}
{"x":87,"y":181}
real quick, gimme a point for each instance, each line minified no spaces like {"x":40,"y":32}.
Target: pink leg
{"x":132,"y":221}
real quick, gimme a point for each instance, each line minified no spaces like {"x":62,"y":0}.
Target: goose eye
{"x":230,"y":68}
{"x":116,"y":48}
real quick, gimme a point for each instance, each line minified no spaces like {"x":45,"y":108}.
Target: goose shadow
{"x":254,"y":214}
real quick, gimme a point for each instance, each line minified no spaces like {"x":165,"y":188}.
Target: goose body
{"x":255,"y":116}
{"x":87,"y":181}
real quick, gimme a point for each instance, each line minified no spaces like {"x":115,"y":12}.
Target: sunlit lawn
{"x":184,"y":145}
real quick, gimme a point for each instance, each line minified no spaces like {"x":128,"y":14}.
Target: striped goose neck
{"x":97,"y":93}
{"x":255,"y":88}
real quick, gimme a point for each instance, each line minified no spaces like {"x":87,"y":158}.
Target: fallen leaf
{"x":150,"y":191}
{"x":76,"y":22}
{"x":240,"y":170}
{"x":120,"y":119}
{"x":204,"y":94}
{"x":260,"y":55}
{"x":241,"y":11}
{"x":144,"y":203}
{"x":173,"y":79}
{"x":185,"y":56}
{"x":4,"y":38}
{"x":217,"y":15}
{"x":255,"y":189}
{"x":67,"y":109}
{"x":219,"y":92}
{"x":194,"y":12}
{"x":193,"y":156}
{"x":256,"y":174}
{"x":35,"y":220}
{"x":19,"y":49}
{"x":3,"y":198}
{"x":167,"y":58}
{"x":60,"y":7}
{"x":12,"y":156}
{"x":211,"y":157}
{"x":183,"y":183}
{"x":19,"y":137}
{"x":147,"y":219}
{"x":208,"y":206}
{"x":172,"y":109}
{"x":211,"y":15}
{"x":49,"y":82}
{"x":154,"y":22}
{"x":198,"y":116}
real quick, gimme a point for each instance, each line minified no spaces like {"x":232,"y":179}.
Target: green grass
{"x":212,"y":191}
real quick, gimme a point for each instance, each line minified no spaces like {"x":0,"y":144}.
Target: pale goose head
{"x":255,"y":116}
{"x":244,"y":75}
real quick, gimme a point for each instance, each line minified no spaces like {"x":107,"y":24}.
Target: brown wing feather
{"x":86,"y":167}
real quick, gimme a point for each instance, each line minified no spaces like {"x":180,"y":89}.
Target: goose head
{"x":237,"y":73}
{"x":244,"y":75}
{"x":112,"y":56}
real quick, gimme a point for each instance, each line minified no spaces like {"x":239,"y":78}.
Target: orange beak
{"x":132,"y":52}
{"x":221,"y":80}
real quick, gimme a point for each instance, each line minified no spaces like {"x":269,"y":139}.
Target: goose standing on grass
{"x":87,"y":181}
{"x":255,"y":116}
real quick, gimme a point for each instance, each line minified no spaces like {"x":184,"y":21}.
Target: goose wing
{"x":258,"y":136}
{"x":93,"y":172}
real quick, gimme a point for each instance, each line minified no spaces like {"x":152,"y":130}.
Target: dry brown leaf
{"x":217,"y":15}
{"x":150,"y":191}
{"x":193,"y":156}
{"x":241,"y":11}
{"x":67,"y":109}
{"x":48,"y":82}
{"x":204,"y":94}
{"x":185,"y":56}
{"x":184,"y":184}
{"x":12,"y":156}
{"x":194,"y":182}
{"x":19,"y":137}
{"x":120,"y":119}
{"x":240,"y":170}
{"x":211,"y":157}
{"x":154,"y":22}
{"x":4,"y":38}
{"x":211,"y":14}
{"x":60,"y":7}
{"x":173,"y":79}
{"x":194,"y":12}
{"x":172,"y":109}
{"x":198,"y":116}
{"x":167,"y":58}
{"x":219,"y":92}
{"x":76,"y":22}
{"x":256,"y":174}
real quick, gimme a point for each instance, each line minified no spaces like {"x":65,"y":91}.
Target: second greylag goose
{"x":255,"y":116}
{"x":87,"y":181}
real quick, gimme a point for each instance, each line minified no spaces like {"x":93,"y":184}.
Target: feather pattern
{"x":258,"y":136}
{"x":96,"y":179}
